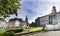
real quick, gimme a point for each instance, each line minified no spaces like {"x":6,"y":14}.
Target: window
{"x":16,"y":23}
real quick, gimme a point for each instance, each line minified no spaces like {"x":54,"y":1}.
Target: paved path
{"x":49,"y":33}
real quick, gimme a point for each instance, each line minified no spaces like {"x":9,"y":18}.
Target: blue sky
{"x":36,"y":8}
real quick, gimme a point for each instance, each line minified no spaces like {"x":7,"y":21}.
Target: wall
{"x":2,"y":25}
{"x":38,"y":21}
{"x":52,"y":27}
{"x":10,"y":24}
{"x":58,"y":18}
{"x":44,"y":20}
{"x":17,"y":23}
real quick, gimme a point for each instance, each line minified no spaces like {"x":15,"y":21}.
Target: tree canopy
{"x":33,"y":24}
{"x":8,"y":7}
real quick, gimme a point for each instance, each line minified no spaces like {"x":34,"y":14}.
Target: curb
{"x":17,"y":34}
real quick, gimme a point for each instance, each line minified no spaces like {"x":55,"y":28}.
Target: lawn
{"x":2,"y":31}
{"x":25,"y":30}
{"x":36,"y":29}
{"x":33,"y":29}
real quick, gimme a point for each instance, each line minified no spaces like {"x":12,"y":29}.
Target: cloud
{"x":36,"y":8}
{"x":11,"y":16}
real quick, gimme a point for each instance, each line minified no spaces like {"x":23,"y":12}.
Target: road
{"x":49,"y":33}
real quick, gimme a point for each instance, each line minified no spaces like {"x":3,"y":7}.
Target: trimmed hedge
{"x":9,"y":33}
{"x":16,"y":30}
{"x":2,"y":32}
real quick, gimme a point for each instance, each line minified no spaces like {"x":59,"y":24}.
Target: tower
{"x":53,"y":10}
{"x":26,"y":20}
{"x":52,"y":16}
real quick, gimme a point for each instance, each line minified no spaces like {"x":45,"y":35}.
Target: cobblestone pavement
{"x":49,"y":33}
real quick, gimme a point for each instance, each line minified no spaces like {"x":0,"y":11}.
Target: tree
{"x":8,"y":7}
{"x":33,"y":24}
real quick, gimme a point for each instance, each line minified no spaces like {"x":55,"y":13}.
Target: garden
{"x":12,"y":32}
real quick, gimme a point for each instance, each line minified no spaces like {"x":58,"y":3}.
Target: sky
{"x":35,"y":8}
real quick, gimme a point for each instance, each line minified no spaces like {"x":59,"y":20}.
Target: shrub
{"x":2,"y":32}
{"x":9,"y":33}
{"x":15,"y":30}
{"x":43,"y":28}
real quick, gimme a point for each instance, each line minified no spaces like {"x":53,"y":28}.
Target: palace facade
{"x":53,"y":18}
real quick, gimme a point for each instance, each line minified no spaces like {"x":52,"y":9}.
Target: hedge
{"x":10,"y":32}
{"x":2,"y":32}
{"x":15,"y":30}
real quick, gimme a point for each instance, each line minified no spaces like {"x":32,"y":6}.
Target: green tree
{"x":8,"y":7}
{"x":33,"y":24}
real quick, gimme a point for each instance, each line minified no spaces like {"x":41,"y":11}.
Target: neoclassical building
{"x":53,"y":18}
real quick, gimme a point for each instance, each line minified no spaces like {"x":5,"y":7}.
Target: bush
{"x":43,"y":28}
{"x":9,"y":33}
{"x":2,"y":32}
{"x":15,"y":30}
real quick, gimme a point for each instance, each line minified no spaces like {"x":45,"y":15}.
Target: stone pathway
{"x":49,"y":33}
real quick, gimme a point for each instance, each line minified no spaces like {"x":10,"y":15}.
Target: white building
{"x":53,"y":18}
{"x":44,"y":20}
{"x":3,"y":25}
{"x":15,"y":23}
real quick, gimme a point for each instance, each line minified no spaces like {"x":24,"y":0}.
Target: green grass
{"x":36,"y":29}
{"x":33,"y":29}
{"x":2,"y":31}
{"x":25,"y":30}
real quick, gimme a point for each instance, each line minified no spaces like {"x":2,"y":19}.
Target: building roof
{"x":47,"y":15}
{"x":15,"y":19}
{"x":58,"y":12}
